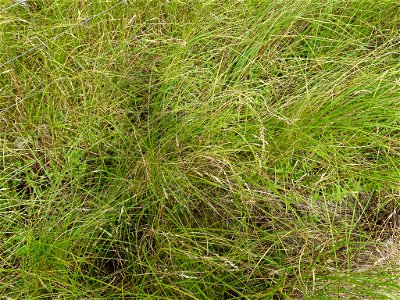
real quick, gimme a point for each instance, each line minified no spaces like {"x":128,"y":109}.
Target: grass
{"x":200,"y":150}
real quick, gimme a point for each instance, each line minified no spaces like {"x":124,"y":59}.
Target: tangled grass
{"x":200,"y":150}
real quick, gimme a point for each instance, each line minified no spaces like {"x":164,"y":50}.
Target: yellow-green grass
{"x":199,"y":149}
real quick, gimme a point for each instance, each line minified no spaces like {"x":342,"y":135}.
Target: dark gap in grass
{"x":381,"y":215}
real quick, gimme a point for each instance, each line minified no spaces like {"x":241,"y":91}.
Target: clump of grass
{"x":200,"y":150}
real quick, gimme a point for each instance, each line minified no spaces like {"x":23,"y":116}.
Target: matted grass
{"x":200,"y":150}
